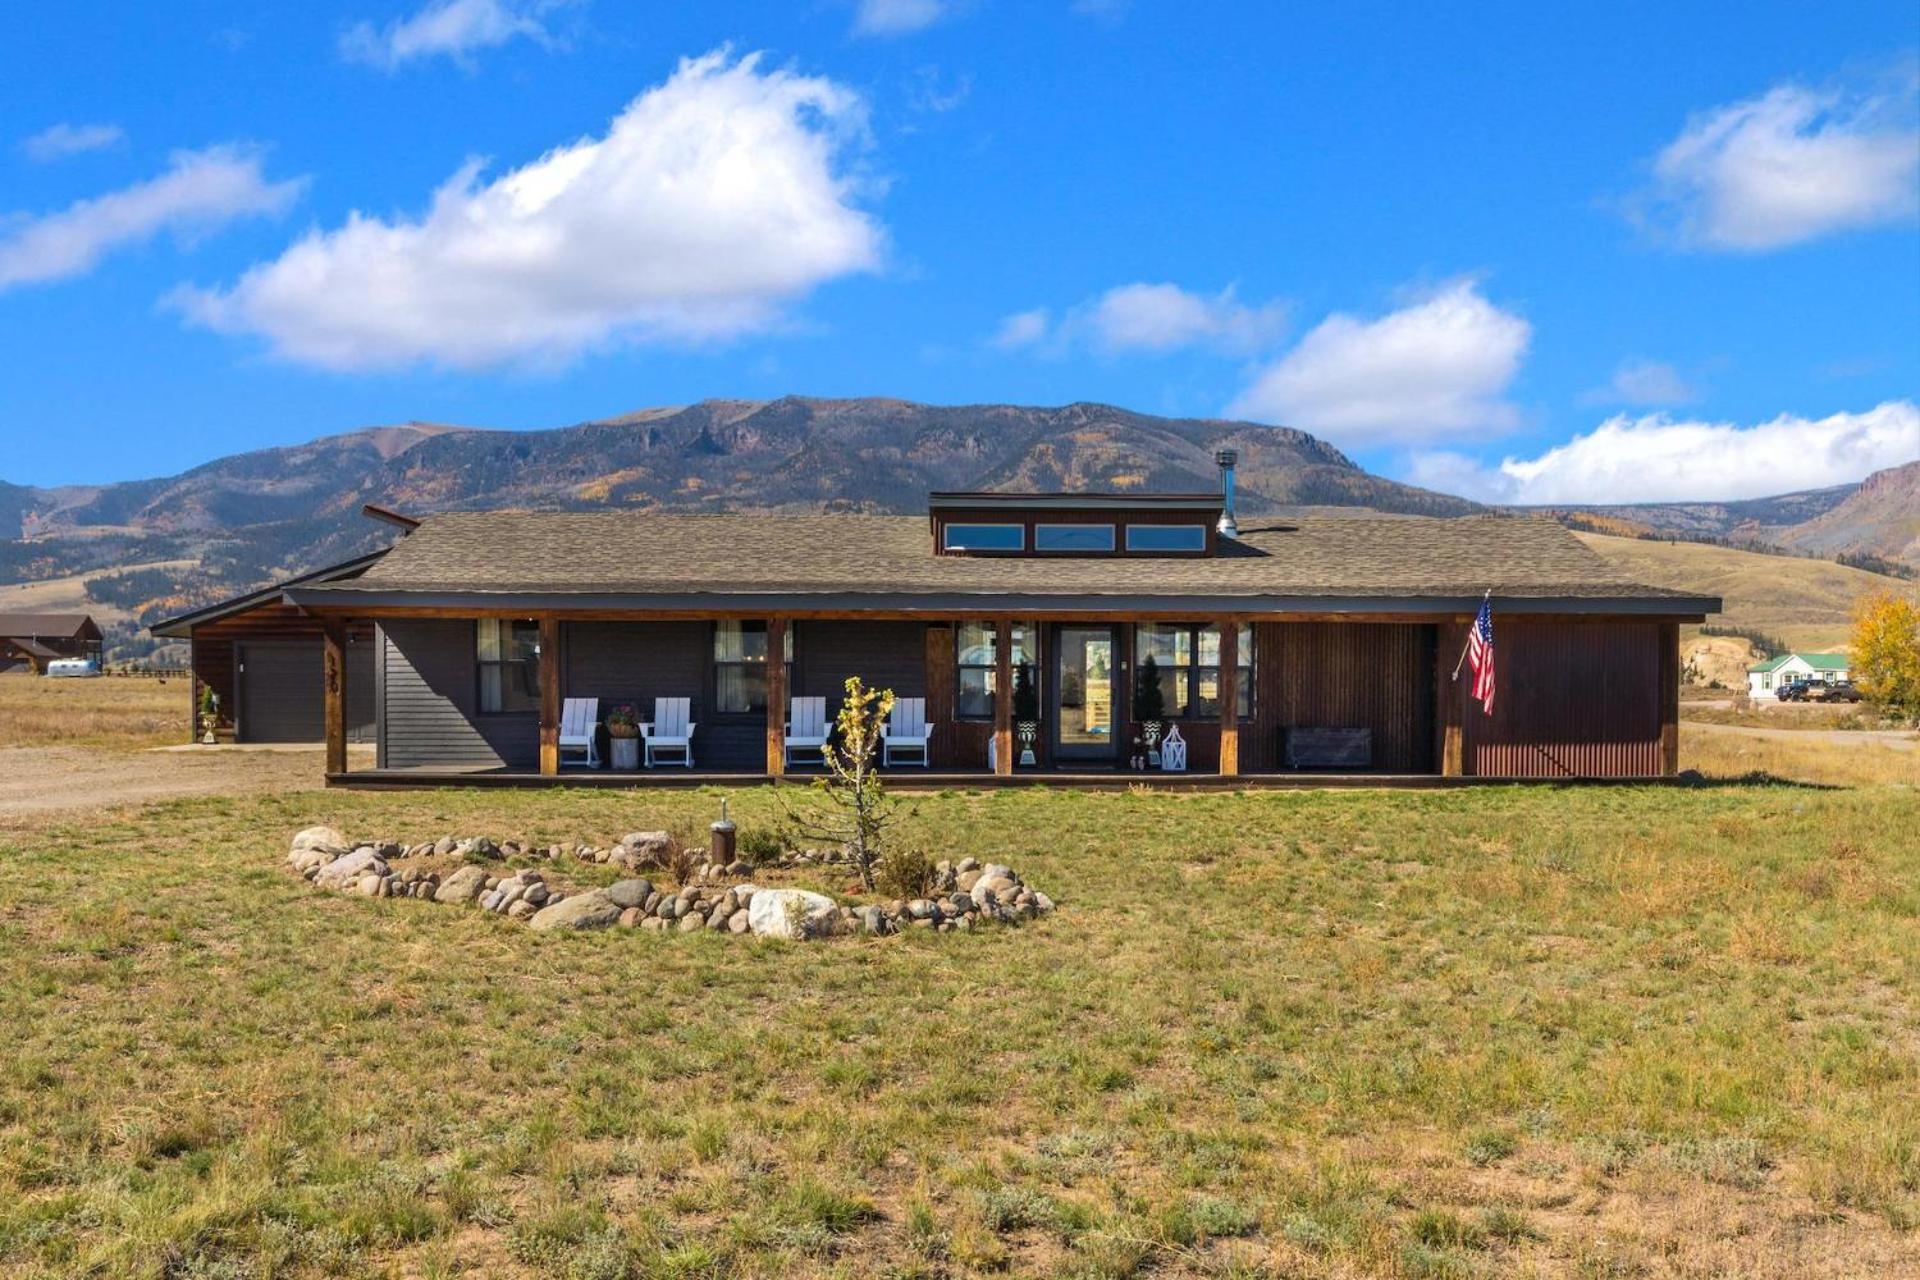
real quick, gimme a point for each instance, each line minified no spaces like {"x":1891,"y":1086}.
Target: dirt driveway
{"x":36,"y":780}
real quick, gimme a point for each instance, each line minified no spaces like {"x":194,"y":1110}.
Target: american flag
{"x":1480,"y":655}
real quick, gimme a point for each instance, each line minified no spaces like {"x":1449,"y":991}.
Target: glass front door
{"x":1083,"y":674}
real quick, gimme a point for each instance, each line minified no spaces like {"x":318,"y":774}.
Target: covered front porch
{"x":1009,"y":699}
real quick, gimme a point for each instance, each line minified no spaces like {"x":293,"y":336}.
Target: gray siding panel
{"x":431,"y":687}
{"x":886,"y":655}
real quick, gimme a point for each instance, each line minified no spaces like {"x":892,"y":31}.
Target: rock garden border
{"x":714,"y":898}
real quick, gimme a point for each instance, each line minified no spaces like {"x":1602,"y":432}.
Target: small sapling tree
{"x":854,"y":810}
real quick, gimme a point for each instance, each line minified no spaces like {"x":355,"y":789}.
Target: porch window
{"x":1188,"y":657}
{"x":740,"y":666}
{"x":978,"y":667}
{"x":507,"y":653}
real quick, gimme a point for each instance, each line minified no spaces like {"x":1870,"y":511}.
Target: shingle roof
{"x":64,"y":625}
{"x":636,"y":554}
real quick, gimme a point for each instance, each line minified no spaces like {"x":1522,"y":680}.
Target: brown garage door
{"x":280,"y":693}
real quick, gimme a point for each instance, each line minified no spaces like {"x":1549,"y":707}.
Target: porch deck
{"x":1081,"y":779}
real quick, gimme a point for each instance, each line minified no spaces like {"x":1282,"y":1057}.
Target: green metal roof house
{"x":1764,"y":679}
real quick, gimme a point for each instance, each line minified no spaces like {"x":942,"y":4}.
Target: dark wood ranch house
{"x":1321,"y":645}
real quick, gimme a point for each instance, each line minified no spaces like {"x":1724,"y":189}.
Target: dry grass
{"x":1728,"y":757}
{"x":1807,"y":603}
{"x":1788,"y":716}
{"x":117,"y":712}
{"x":1655,"y":1032}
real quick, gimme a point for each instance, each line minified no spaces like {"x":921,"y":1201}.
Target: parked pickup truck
{"x":1817,"y":691}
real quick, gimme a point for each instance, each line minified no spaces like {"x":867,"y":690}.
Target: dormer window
{"x":986,"y":537}
{"x":1070,"y":539}
{"x":1165,"y":538}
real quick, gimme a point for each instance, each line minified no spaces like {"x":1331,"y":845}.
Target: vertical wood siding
{"x":886,"y":655}
{"x":430,"y":719}
{"x":1376,"y":676}
{"x":1575,"y":699}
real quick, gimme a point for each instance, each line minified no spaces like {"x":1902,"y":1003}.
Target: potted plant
{"x":1026,"y":711}
{"x":209,"y":715}
{"x":1150,"y":707}
{"x":623,"y":733}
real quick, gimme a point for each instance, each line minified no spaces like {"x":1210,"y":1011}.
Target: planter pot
{"x":1151,"y":731}
{"x":1028,"y":731}
{"x":626,"y":753}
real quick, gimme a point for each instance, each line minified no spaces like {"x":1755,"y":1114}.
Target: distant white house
{"x":1765,"y":679}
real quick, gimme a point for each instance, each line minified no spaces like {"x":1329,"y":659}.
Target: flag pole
{"x":1469,"y":641}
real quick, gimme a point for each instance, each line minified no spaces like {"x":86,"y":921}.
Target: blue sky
{"x":1530,"y":254}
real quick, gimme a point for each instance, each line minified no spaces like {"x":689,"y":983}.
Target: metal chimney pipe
{"x":1226,"y":458}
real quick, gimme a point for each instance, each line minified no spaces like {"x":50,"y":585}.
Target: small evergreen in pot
{"x":623,"y":731}
{"x":1150,"y":707}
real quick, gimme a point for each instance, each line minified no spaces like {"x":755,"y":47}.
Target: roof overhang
{"x":181,"y":627}
{"x":397,"y":602}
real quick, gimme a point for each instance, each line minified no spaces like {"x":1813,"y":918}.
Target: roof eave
{"x":337,"y":600}
{"x":181,"y":627}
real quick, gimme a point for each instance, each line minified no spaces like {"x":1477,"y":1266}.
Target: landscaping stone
{"x":786,"y":913}
{"x":463,"y":885}
{"x":630,"y":893}
{"x":962,"y":896}
{"x":582,"y":911}
{"x":319,"y":838}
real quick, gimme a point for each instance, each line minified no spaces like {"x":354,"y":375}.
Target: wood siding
{"x":886,"y":655}
{"x":1575,"y":700}
{"x":1374,"y":676}
{"x":430,"y":688}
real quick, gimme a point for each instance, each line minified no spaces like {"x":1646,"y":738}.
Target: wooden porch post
{"x":1229,"y":698}
{"x":1669,"y":698}
{"x":333,"y":674}
{"x":549,"y":694}
{"x":1003,"y":697}
{"x":776,"y":697}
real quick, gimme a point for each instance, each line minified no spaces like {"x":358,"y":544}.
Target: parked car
{"x":1839,"y":691}
{"x":1793,"y":690}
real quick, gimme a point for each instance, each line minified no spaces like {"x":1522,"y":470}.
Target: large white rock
{"x":785,"y":913}
{"x":582,"y":911}
{"x":319,"y":838}
{"x":347,"y":870}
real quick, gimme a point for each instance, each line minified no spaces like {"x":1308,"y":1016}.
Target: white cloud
{"x":1644,"y":382}
{"x":1439,"y":366}
{"x":59,"y":141}
{"x":897,"y":17}
{"x":1151,"y":318}
{"x":1657,"y":459}
{"x":1023,"y":329}
{"x":455,"y":29}
{"x":1791,"y":165}
{"x":713,"y":200}
{"x":200,"y":191}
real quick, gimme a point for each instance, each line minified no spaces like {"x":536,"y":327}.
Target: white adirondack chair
{"x":670,"y":730}
{"x":806,"y":729}
{"x":906,"y":730}
{"x":580,"y":730}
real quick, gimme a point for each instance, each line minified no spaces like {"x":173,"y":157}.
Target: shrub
{"x":903,"y":873}
{"x":761,"y":844}
{"x":1490,"y":1147}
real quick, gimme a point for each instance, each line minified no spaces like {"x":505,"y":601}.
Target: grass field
{"x":1806,"y":603}
{"x":1599,"y":1032}
{"x":124,"y":712}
